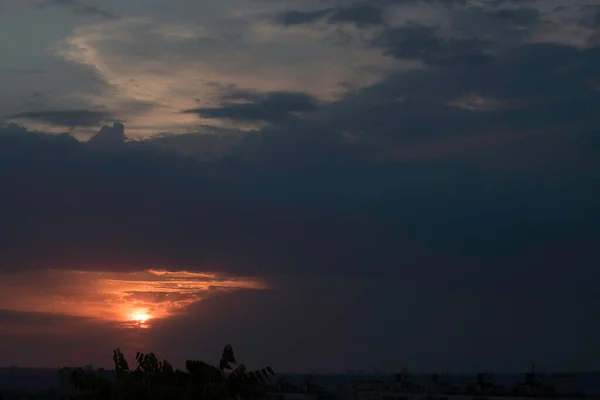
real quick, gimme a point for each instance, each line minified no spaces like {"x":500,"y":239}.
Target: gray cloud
{"x":77,"y":7}
{"x":527,"y":87}
{"x":505,"y":26}
{"x":270,"y":107}
{"x":518,"y":16}
{"x":295,"y":17}
{"x":24,"y":71}
{"x":596,"y":17}
{"x":477,"y":30}
{"x":362,"y":14}
{"x":67,"y":118}
{"x":427,"y":44}
{"x":512,"y":2}
{"x":210,"y":143}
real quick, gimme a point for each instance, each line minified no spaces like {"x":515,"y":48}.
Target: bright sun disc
{"x":141,"y":317}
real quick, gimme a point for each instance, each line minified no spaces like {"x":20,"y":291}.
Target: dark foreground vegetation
{"x":155,"y":379}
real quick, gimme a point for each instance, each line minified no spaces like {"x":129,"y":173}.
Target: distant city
{"x":45,"y":383}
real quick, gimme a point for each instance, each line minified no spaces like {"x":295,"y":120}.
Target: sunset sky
{"x":325,"y":184}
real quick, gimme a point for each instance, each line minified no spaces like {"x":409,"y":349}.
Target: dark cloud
{"x":518,"y":16}
{"x":360,"y":14}
{"x":295,"y":17}
{"x":16,"y":319}
{"x":77,"y":7}
{"x":137,"y":208}
{"x":24,"y":71}
{"x":446,"y":3}
{"x":271,"y":107}
{"x":478,"y":30}
{"x":210,"y":143}
{"x":505,"y":27}
{"x":428,"y":45}
{"x":340,"y":324}
{"x":502,"y":181}
{"x":66,"y":342}
{"x":596,"y":17}
{"x":151,"y":218}
{"x":67,"y":118}
{"x":109,"y":137}
{"x":500,"y":23}
{"x":527,"y":87}
{"x":511,"y":2}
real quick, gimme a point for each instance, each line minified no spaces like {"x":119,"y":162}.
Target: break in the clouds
{"x":347,"y":176}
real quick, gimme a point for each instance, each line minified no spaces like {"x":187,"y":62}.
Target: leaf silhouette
{"x":157,"y":379}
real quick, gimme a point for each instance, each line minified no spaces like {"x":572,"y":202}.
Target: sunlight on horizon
{"x":132,"y":299}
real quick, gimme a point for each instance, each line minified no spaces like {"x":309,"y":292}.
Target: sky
{"x":327,"y":185}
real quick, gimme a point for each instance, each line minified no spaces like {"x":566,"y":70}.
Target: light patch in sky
{"x":179,"y":55}
{"x":126,"y":298}
{"x":177,"y":68}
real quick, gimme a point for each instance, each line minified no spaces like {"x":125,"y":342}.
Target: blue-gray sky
{"x":327,"y":185}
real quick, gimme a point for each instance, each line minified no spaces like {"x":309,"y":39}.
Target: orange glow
{"x":132,"y":299}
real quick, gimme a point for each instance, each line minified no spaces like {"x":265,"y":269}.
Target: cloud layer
{"x":382,"y":171}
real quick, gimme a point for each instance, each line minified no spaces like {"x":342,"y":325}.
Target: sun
{"x":141,"y":317}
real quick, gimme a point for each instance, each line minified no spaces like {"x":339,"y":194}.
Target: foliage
{"x":155,"y":379}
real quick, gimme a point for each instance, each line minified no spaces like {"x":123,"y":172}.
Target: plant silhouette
{"x":156,"y":379}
